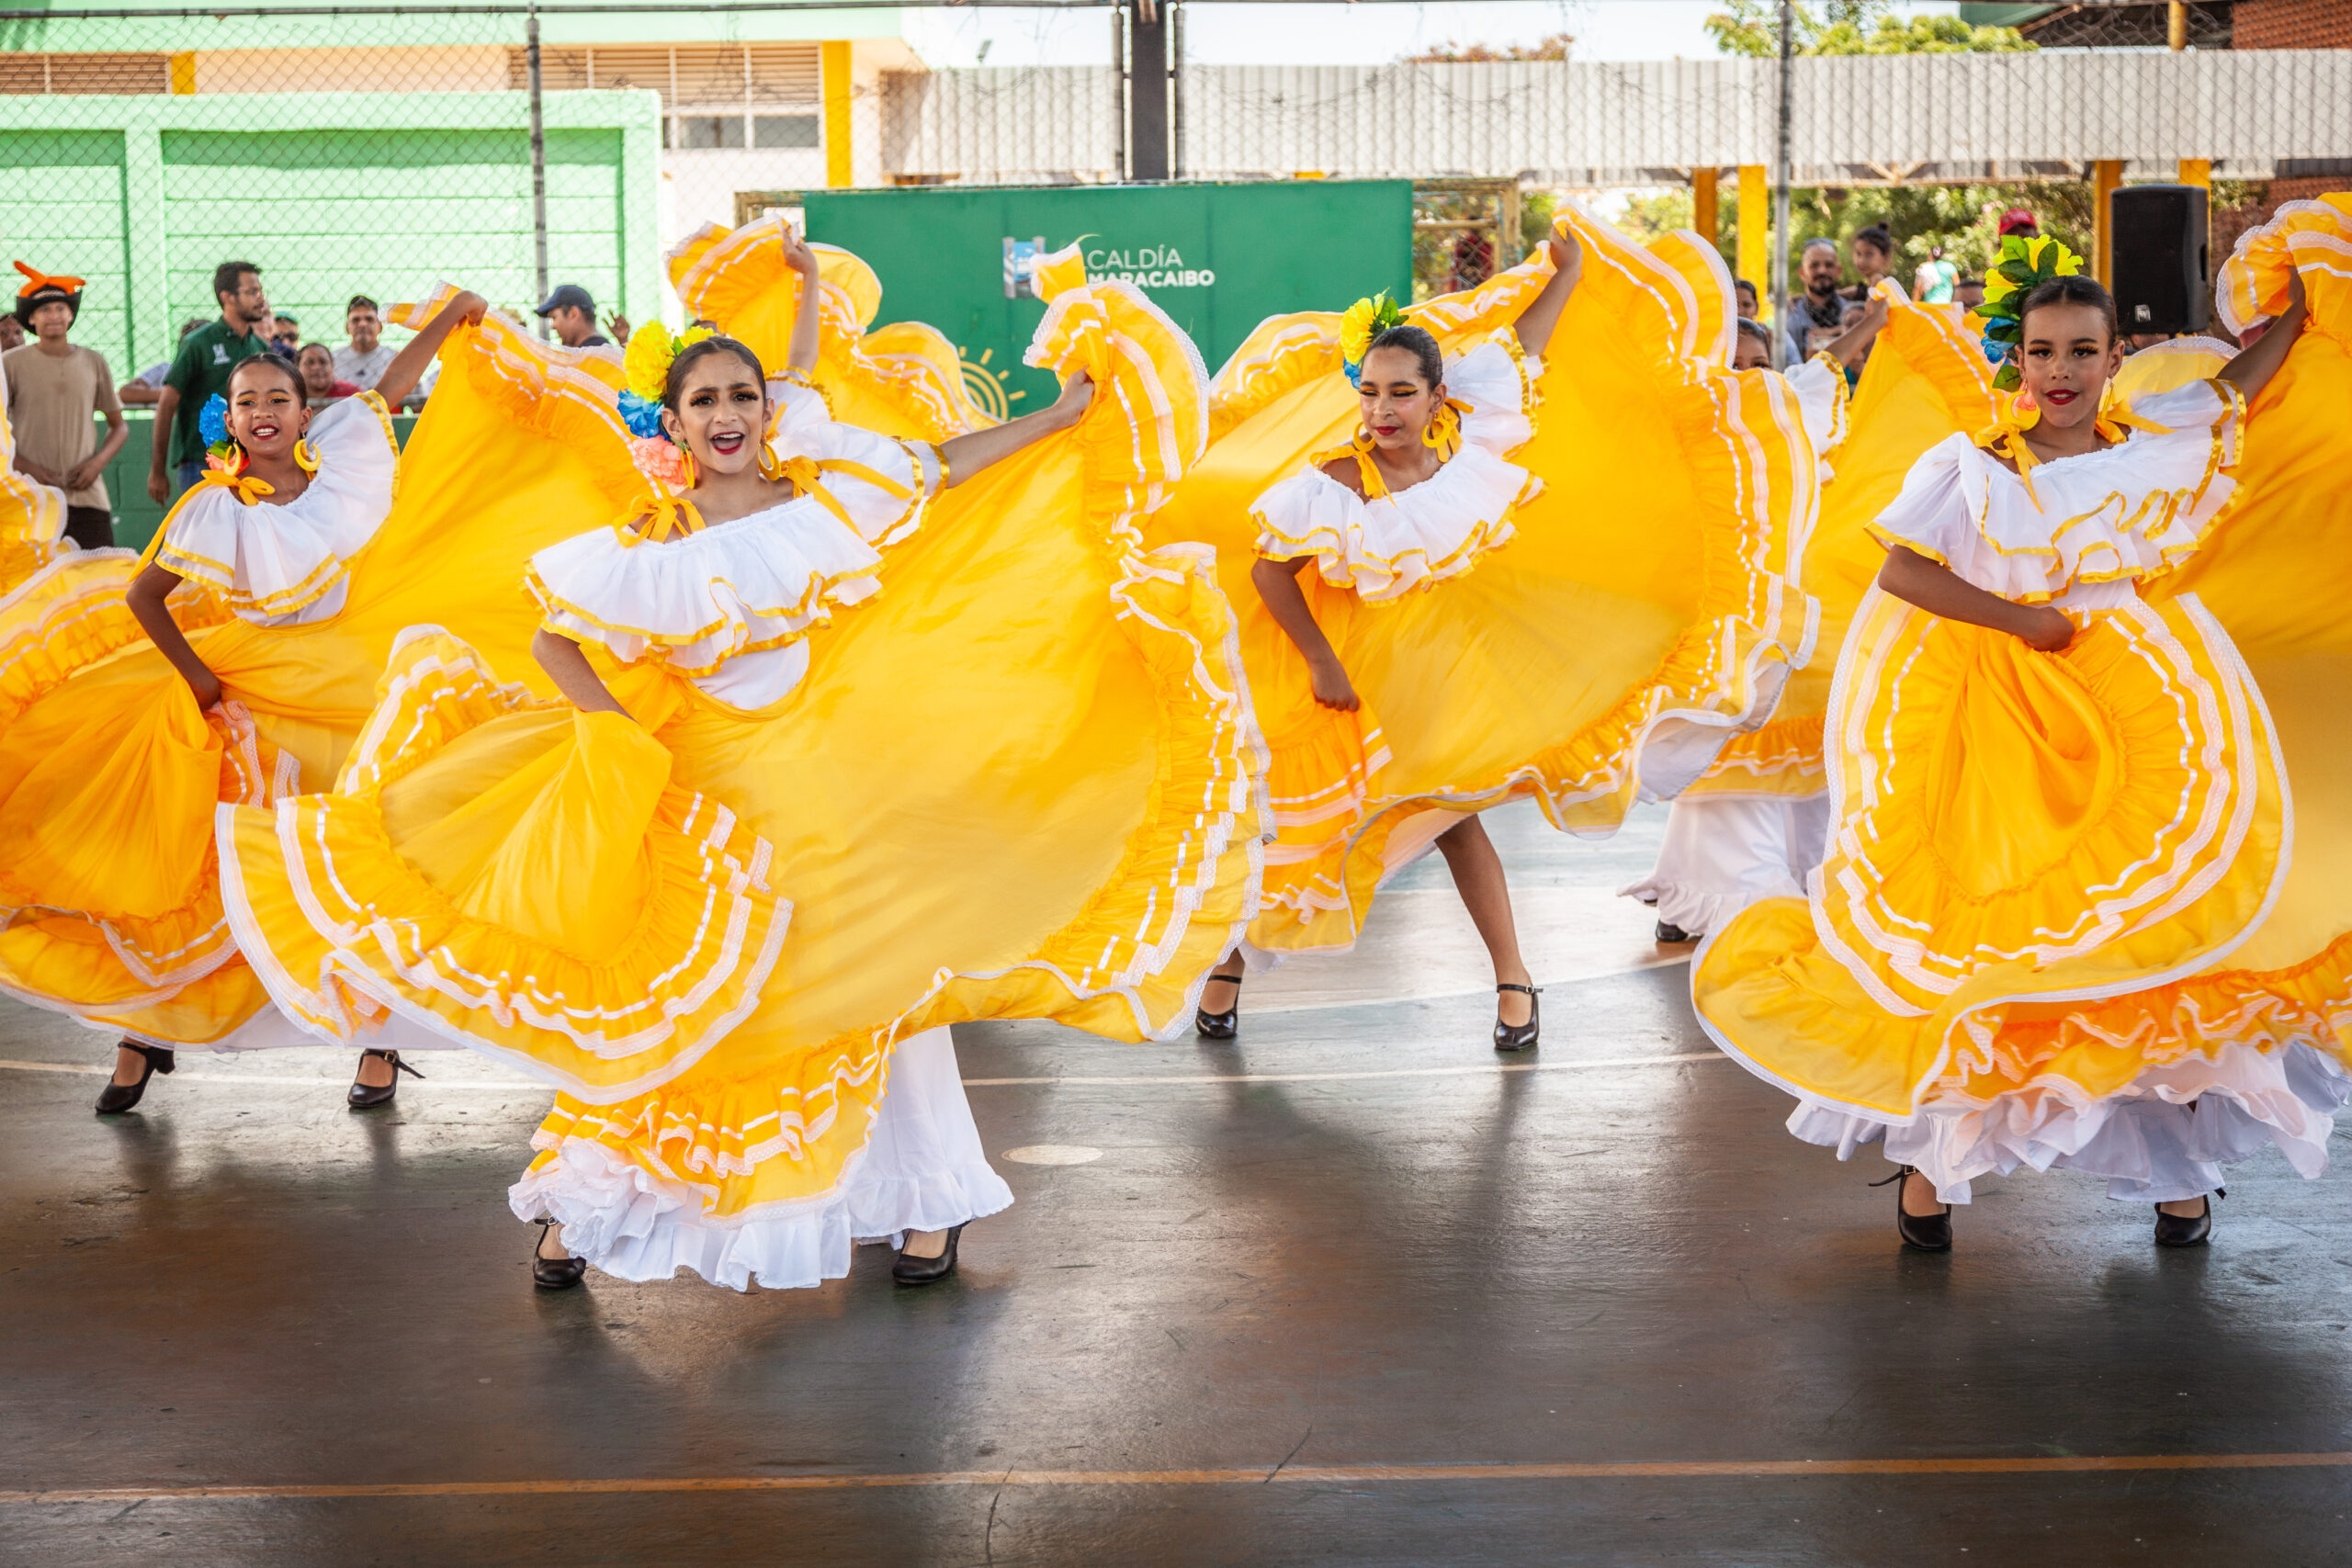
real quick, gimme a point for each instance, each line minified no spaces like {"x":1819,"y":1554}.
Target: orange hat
{"x":40,"y":288}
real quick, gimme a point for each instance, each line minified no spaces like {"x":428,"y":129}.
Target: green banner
{"x":1217,"y":258}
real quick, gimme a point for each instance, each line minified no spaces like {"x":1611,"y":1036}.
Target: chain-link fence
{"x":358,"y":153}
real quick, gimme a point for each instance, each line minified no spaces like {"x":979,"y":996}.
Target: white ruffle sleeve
{"x":284,"y":565}
{"x":1821,"y":388}
{"x":2135,"y":510}
{"x":1415,"y":538}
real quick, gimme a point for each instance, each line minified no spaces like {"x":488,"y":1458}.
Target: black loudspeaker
{"x":2161,"y":281}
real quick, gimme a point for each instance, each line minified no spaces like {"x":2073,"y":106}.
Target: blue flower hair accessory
{"x":212,"y":420}
{"x":642,"y":415}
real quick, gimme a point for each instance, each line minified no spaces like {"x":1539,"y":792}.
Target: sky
{"x":1337,"y":34}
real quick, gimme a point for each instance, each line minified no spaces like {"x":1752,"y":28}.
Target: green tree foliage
{"x":1855,"y":26}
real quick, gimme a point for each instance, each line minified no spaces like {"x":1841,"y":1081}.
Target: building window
{"x":702,"y":130}
{"x":784,"y":130}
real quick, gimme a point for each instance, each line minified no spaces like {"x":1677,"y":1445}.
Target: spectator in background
{"x":1932,"y":284}
{"x":362,"y":360}
{"x":201,"y":369}
{"x":142,"y":389}
{"x":2020,"y":222}
{"x":12,"y":333}
{"x":316,"y":362}
{"x":1968,"y":293}
{"x":1745,"y":292}
{"x":1818,"y":309}
{"x":286,"y":335}
{"x":570,"y":313}
{"x":1871,"y":251}
{"x":54,"y":389}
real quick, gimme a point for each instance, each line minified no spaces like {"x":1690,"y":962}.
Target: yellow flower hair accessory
{"x":646,"y":361}
{"x":2025,"y":265}
{"x":1363,"y":321}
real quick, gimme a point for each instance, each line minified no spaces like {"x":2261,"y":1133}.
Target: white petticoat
{"x":2164,"y":1140}
{"x":1723,"y":852}
{"x":923,"y":1169}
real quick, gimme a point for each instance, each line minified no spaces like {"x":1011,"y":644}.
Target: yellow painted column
{"x":1756,"y":233}
{"x":183,"y":74}
{"x":832,"y":60}
{"x":2106,"y":175}
{"x":2196,"y":172}
{"x":1702,"y":204}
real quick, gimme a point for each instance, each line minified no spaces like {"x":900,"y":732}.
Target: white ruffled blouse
{"x":730,"y":607}
{"x":2065,"y":527}
{"x":286,"y":565}
{"x":1386,"y":548}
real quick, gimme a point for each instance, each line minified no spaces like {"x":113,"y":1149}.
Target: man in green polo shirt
{"x":201,"y":369}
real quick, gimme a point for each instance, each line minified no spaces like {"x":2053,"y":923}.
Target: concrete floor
{"x":1340,"y":1293}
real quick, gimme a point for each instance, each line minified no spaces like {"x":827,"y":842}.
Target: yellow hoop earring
{"x":1442,"y":434}
{"x":1362,"y":441}
{"x":771,"y":464}
{"x":686,"y":464}
{"x":305,"y":458}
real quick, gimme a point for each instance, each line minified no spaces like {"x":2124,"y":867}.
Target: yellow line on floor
{"x":1323,"y":1474}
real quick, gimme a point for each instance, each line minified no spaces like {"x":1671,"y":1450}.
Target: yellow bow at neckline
{"x":2005,"y":436}
{"x":664,"y":515}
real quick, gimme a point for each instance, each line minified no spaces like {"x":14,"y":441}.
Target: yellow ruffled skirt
{"x":1642,"y":616}
{"x":1020,"y":782}
{"x":2069,"y":917}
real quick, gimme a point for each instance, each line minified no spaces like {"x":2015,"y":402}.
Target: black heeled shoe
{"x":2196,"y":1229}
{"x":927,"y":1270}
{"x":1520,"y":1036}
{"x":117,"y":1098}
{"x":1926,"y":1232}
{"x":1219,"y":1025}
{"x":554,"y":1273}
{"x":364,"y":1097}
{"x":1667,"y":932}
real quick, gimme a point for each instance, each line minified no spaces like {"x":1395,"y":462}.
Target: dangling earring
{"x":771,"y":464}
{"x":305,"y":458}
{"x":686,"y":464}
{"x":1362,"y":441}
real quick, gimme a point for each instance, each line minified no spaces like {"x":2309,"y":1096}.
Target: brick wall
{"x":2291,"y":23}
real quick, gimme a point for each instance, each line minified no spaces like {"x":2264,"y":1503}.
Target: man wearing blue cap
{"x":572,"y":311}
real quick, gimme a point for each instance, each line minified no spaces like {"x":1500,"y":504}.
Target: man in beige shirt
{"x":54,"y":389}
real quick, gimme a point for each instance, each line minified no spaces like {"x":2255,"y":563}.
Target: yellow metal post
{"x":2106,"y":175}
{"x":2177,"y":26}
{"x":1756,"y":233}
{"x":1702,"y":203}
{"x":2196,"y":172}
{"x":183,"y":74}
{"x":833,"y":61}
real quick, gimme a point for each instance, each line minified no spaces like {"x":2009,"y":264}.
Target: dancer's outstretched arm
{"x":573,"y":674}
{"x":1277,"y":584}
{"x":1542,"y":312}
{"x":1915,"y":580}
{"x":2252,"y":369}
{"x":968,"y":454}
{"x":800,"y":354}
{"x":407,"y":368}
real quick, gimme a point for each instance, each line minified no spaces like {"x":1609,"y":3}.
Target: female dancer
{"x":594,"y":890}
{"x":2054,"y":797}
{"x":1579,"y":608}
{"x":108,"y":771}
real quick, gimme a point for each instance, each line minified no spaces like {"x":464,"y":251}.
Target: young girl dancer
{"x":866,"y":674}
{"x":1578,"y":603}
{"x":2053,"y":796}
{"x":110,"y":767}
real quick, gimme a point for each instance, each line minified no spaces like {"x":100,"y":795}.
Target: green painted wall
{"x":684,"y":22}
{"x":331,"y":195}
{"x":1273,"y":247}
